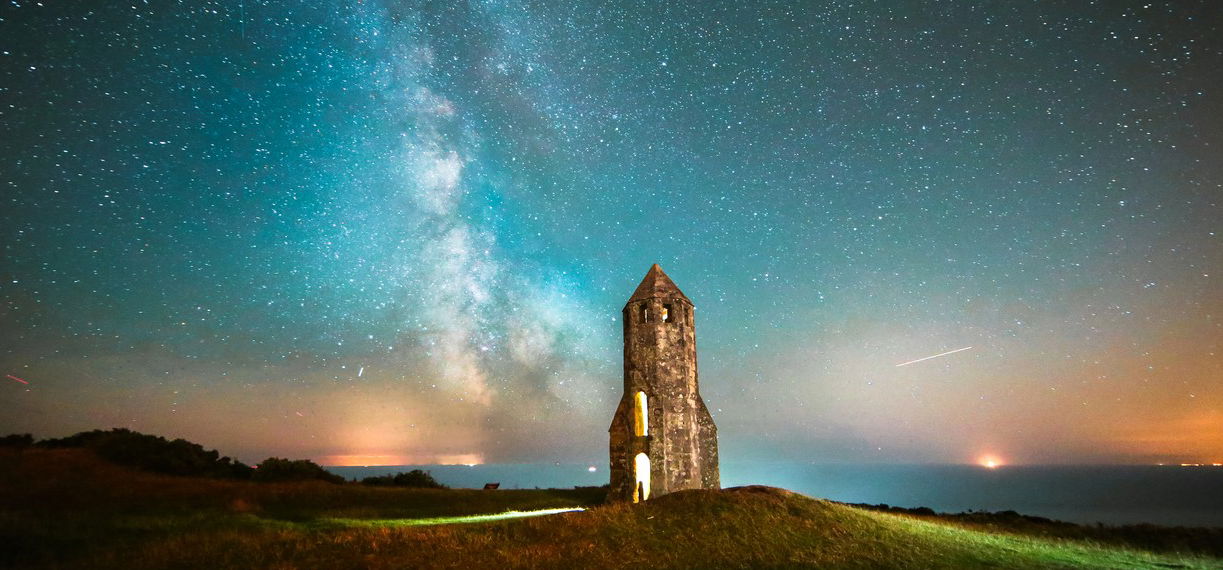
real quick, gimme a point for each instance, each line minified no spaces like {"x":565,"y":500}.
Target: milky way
{"x":403,"y":232}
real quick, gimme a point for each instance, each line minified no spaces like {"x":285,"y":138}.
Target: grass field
{"x":66,"y":508}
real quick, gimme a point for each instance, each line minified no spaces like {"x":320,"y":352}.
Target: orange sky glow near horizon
{"x":390,"y":460}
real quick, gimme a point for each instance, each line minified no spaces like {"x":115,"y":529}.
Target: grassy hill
{"x":67,"y":508}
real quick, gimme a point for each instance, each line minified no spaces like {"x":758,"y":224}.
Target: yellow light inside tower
{"x":641,"y":417}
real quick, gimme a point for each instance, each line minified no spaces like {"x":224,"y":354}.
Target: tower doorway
{"x":641,"y":469}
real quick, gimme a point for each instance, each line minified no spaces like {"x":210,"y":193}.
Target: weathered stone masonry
{"x":662,"y":438}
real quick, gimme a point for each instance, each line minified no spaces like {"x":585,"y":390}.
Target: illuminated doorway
{"x":641,"y":467}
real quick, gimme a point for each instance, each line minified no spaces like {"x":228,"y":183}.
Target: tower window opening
{"x":641,"y":415}
{"x":645,"y":314}
{"x":666,"y":313}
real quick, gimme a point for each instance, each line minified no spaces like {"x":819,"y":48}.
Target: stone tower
{"x":662,"y":436}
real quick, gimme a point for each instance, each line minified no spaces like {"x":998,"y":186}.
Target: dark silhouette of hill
{"x":153,"y":453}
{"x":175,"y":457}
{"x":184,"y":458}
{"x":67,"y":508}
{"x":62,"y":505}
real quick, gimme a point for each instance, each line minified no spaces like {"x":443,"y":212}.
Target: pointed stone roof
{"x":656,"y":284}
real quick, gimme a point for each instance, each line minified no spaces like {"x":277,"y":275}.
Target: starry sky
{"x":402,"y":232}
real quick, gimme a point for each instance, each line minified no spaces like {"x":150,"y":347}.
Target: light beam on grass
{"x":456,"y":520}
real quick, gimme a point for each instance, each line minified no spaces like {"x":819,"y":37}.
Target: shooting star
{"x":11,"y":377}
{"x":935,"y":356}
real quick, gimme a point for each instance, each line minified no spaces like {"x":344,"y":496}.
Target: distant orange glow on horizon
{"x":363,"y":460}
{"x":391,"y":460}
{"x":990,"y":461}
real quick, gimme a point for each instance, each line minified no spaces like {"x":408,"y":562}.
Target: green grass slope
{"x":100,"y":516}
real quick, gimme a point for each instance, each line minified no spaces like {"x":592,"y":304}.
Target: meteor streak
{"x":11,"y":377}
{"x":935,"y":356}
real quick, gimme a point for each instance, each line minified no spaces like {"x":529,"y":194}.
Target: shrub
{"x":277,"y":469}
{"x":413,"y":478}
{"x":17,"y":440}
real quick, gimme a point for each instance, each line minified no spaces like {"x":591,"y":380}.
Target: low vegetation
{"x":277,"y":469}
{"x":414,"y":478}
{"x":1146,"y":536}
{"x":68,"y":508}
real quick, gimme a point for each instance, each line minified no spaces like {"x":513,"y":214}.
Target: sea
{"x":1169,"y":495}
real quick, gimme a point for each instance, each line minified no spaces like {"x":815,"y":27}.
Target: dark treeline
{"x":184,"y":458}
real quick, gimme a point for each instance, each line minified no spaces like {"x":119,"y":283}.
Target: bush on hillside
{"x":413,"y":478}
{"x":17,"y":440}
{"x":277,"y":469}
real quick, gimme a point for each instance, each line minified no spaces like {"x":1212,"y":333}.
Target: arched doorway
{"x":641,"y":485}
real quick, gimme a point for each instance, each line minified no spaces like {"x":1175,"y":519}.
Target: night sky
{"x":398,"y":232}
